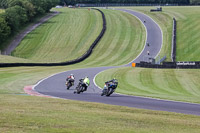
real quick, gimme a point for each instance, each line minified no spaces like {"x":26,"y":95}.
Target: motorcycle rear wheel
{"x":68,"y":86}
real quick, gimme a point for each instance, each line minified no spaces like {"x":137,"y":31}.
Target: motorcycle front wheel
{"x":79,"y":90}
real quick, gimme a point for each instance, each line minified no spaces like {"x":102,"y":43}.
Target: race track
{"x":55,"y":85}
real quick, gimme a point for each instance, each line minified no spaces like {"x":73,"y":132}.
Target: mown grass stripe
{"x":179,"y":85}
{"x":64,"y":40}
{"x":119,"y":43}
{"x":190,"y":81}
{"x":126,"y":41}
{"x":108,"y":42}
{"x":102,"y":50}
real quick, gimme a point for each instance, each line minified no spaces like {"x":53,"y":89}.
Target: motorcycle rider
{"x":110,"y":83}
{"x":86,"y":83}
{"x":71,"y":79}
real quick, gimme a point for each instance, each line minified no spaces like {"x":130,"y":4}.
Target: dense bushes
{"x":19,"y":12}
{"x":4,"y":29}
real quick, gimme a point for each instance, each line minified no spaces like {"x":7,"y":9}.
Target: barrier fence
{"x":175,"y":65}
{"x":173,"y":51}
{"x":83,"y":57}
{"x":120,"y":4}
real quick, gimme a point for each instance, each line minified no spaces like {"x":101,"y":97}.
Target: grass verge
{"x":172,"y":84}
{"x":39,"y":115}
{"x":21,"y":113}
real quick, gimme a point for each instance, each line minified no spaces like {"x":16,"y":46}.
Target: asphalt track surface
{"x":55,"y":85}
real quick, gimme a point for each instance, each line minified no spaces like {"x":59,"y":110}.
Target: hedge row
{"x":83,"y":57}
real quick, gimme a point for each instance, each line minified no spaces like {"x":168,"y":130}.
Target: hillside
{"x":123,"y":40}
{"x":62,"y":38}
{"x":124,"y":34}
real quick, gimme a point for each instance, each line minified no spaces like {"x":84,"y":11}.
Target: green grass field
{"x":188,"y":35}
{"x":22,"y":113}
{"x":172,"y":84}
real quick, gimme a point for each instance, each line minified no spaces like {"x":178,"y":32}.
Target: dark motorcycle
{"x":69,"y":83}
{"x":81,"y":87}
{"x":109,"y":89}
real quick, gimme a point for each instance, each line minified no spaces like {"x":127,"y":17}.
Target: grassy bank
{"x":188,"y":36}
{"x":21,"y":113}
{"x":172,"y":84}
{"x":13,"y":36}
{"x":123,"y":40}
{"x":64,"y":37}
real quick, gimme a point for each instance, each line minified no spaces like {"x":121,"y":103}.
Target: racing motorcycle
{"x":80,"y":87}
{"x":69,"y":83}
{"x":109,"y":88}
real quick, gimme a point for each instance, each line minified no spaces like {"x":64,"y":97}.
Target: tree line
{"x":181,"y":2}
{"x":19,"y":12}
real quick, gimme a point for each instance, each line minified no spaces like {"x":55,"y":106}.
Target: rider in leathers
{"x":86,"y":83}
{"x":71,"y":79}
{"x":110,"y":83}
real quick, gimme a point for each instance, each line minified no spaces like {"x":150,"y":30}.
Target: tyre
{"x":79,"y":89}
{"x":110,"y":91}
{"x":68,"y":86}
{"x":108,"y":95}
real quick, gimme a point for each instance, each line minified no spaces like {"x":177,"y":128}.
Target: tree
{"x":4,"y":30}
{"x":16,"y":16}
{"x":28,"y":6}
{"x":3,"y":4}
